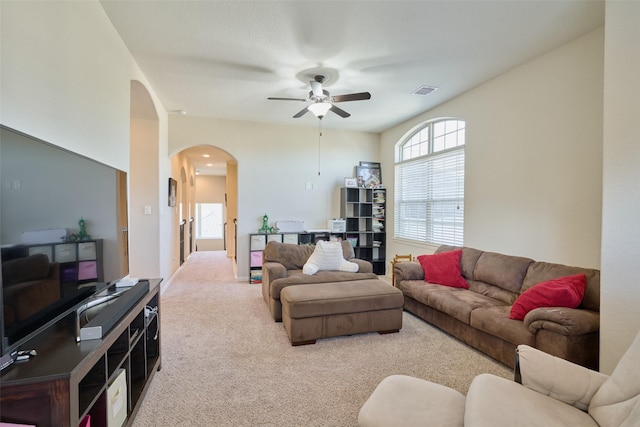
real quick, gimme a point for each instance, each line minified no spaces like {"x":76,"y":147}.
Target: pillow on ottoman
{"x":328,"y":256}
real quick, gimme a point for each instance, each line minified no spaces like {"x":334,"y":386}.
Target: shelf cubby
{"x":92,"y":385}
{"x":138,"y":371}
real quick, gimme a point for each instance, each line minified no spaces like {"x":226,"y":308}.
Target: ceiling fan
{"x":322,"y":101}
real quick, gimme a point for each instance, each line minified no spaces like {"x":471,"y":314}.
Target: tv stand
{"x":68,"y":380}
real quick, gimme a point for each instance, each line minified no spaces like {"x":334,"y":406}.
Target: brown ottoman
{"x":327,"y":310}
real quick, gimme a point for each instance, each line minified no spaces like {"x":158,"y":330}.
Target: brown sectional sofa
{"x":479,"y":316}
{"x":282,"y":266}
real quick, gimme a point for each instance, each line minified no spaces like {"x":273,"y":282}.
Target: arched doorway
{"x":209,"y":189}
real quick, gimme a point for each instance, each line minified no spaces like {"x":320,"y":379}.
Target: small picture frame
{"x":368,"y":176}
{"x":173,"y":192}
{"x":350,"y":182}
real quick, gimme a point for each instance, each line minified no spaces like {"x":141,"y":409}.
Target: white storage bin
{"x":274,"y":238}
{"x":47,"y":250}
{"x":117,"y":400}
{"x":258,"y":242}
{"x":337,"y":225}
{"x":65,"y":252}
{"x":87,"y":251}
{"x":290,"y":238}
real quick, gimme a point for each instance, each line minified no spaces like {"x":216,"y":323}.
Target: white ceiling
{"x":224,"y":58}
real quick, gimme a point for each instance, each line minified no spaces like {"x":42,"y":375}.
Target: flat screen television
{"x":51,"y":200}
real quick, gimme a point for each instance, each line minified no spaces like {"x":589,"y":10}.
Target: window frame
{"x":438,"y":208}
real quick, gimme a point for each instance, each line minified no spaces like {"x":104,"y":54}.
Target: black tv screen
{"x":63,"y":222}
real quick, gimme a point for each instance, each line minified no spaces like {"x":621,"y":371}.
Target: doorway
{"x":208,"y":200}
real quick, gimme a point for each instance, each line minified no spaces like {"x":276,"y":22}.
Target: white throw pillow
{"x":328,"y":256}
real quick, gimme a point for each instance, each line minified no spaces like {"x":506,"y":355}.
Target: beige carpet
{"x":225,"y":362}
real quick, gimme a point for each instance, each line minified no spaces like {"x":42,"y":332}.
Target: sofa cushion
{"x":416,"y":289}
{"x":455,"y":302}
{"x":443,"y":269}
{"x":293,"y":256}
{"x":561,"y":292}
{"x":505,"y":271}
{"x":495,"y":320}
{"x":543,"y":271}
{"x":328,"y":256}
{"x":340,"y":298}
{"x":290,"y":255}
{"x":296,"y":277}
{"x":401,"y":400}
{"x":494,"y":401}
{"x":492,"y":291}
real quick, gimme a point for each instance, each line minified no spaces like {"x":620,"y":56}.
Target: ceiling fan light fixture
{"x":319,"y":109}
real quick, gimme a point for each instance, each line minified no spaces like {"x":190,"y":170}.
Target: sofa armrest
{"x":363,"y":265}
{"x":408,"y":271}
{"x":562,"y":320}
{"x":272,"y":270}
{"x":557,"y":378}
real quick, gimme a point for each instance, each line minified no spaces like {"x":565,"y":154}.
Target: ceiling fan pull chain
{"x":319,"y":136}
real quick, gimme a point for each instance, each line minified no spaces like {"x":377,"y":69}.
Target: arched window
{"x":429,"y":184}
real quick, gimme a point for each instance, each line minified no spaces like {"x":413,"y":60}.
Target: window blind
{"x":429,"y":198}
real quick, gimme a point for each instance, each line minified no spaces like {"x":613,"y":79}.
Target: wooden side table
{"x":397,"y":259}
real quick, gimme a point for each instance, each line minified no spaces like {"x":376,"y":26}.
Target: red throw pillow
{"x":443,"y":269}
{"x":561,"y":292}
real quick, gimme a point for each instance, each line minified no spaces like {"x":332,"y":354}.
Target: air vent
{"x":424,"y":90}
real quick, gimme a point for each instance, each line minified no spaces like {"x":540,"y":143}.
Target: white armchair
{"x":547,"y":391}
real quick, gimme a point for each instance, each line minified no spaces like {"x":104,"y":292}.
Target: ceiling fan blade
{"x":286,"y":99}
{"x":316,"y":88}
{"x":301,"y":113}
{"x":351,"y":97}
{"x":339,"y":111}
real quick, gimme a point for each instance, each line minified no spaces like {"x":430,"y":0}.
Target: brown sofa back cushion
{"x":504,"y":271}
{"x":467,"y":260}
{"x":293,"y":256}
{"x":20,"y":270}
{"x":543,"y":271}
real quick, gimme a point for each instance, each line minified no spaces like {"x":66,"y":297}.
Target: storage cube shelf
{"x":364,"y":210}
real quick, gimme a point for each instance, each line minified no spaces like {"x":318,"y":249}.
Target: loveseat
{"x":480,"y":315}
{"x":282,"y":266}
{"x":29,"y":285}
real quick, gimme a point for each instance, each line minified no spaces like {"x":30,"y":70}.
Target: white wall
{"x":533,"y":158}
{"x":274,"y":164}
{"x":620,"y":293}
{"x":66,"y":79}
{"x":210,"y":189}
{"x":144,"y":235}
